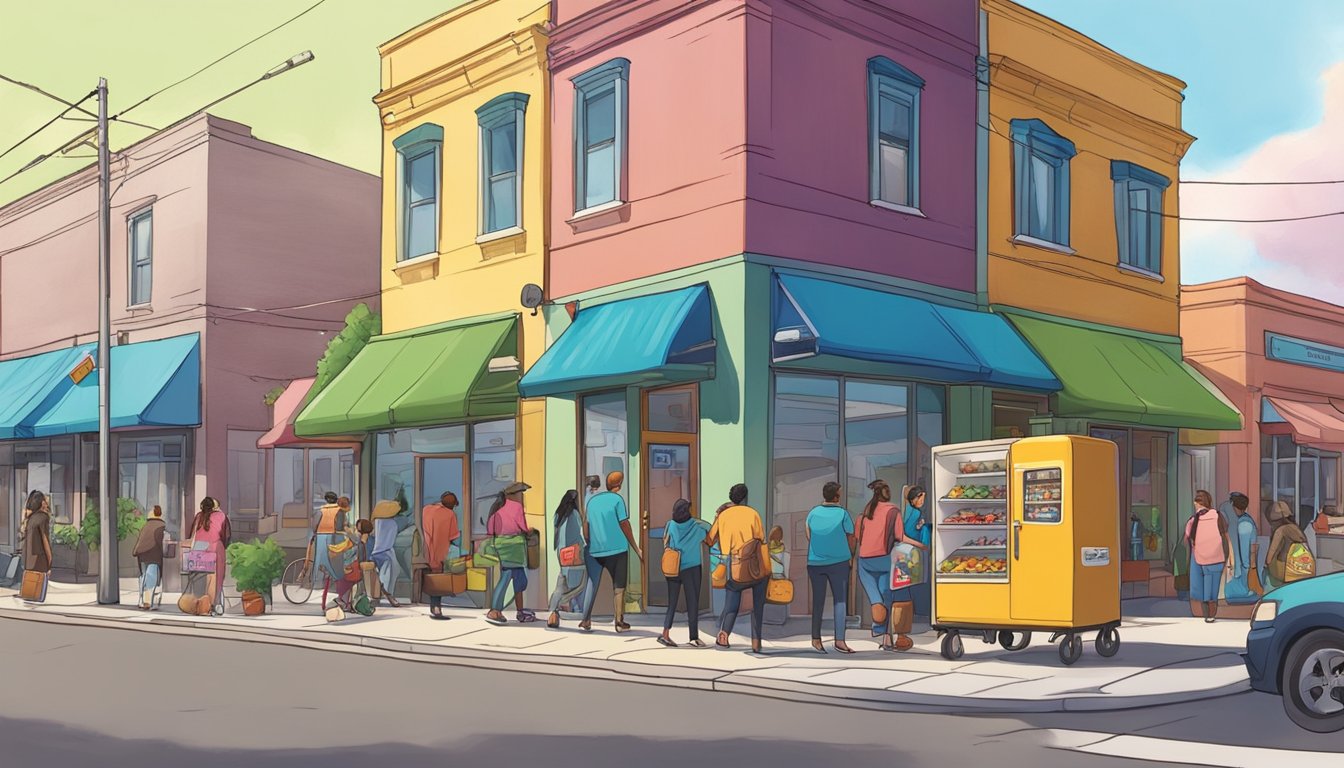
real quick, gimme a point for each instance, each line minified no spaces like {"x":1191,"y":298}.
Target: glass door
{"x":437,"y":475}
{"x":670,"y":462}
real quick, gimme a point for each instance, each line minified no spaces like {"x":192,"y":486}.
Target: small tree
{"x":129,"y":522}
{"x":361,"y":325}
{"x":270,"y":397}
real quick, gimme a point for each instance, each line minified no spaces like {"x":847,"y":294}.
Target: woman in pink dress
{"x":210,"y":531}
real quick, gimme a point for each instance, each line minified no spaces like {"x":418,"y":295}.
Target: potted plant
{"x":256,"y":566}
{"x":67,"y":550}
{"x":129,"y":523}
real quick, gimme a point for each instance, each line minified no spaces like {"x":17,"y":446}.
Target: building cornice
{"x":623,"y":21}
{"x":1084,"y":110}
{"x":449,"y":17}
{"x":1245,"y":291}
{"x":505,"y":55}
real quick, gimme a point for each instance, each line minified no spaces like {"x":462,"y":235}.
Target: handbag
{"x":533,"y":542}
{"x":718,"y":578}
{"x":671,"y":558}
{"x":571,"y":556}
{"x":779,"y":592}
{"x":34,"y":586}
{"x":443,"y":584}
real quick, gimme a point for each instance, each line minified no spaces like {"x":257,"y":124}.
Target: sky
{"x":1265,"y":98}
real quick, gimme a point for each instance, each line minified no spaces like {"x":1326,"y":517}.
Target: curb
{"x":643,"y":673}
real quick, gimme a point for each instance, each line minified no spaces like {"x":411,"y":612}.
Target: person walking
{"x":916,"y":529}
{"x":1240,"y":589}
{"x":740,"y":535}
{"x":830,"y":551}
{"x":384,"y":555}
{"x":1284,"y":534}
{"x":686,"y":536}
{"x":571,"y":580}
{"x":329,"y":529}
{"x":148,"y":551}
{"x":507,"y":525}
{"x":1210,"y":554}
{"x":610,"y":541}
{"x":35,"y":537}
{"x":880,"y":529}
{"x":441,"y":531}
{"x":210,"y":532}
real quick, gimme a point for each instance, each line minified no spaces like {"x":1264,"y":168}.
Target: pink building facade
{"x":1279,"y":357}
{"x":239,"y":256}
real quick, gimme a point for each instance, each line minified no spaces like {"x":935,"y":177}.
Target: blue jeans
{"x":875,"y":576}
{"x":515,"y":576}
{"x":1204,"y":581}
{"x":149,"y":581}
{"x":837,"y":576}
{"x":733,"y":603}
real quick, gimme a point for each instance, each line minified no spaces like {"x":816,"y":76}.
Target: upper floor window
{"x":501,"y":152}
{"x":893,"y":133}
{"x":1138,"y":215}
{"x":419,"y":157}
{"x":1041,"y":181}
{"x":599,"y":135}
{"x":140,"y":252}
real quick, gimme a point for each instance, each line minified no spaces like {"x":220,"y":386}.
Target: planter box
{"x":74,"y":558}
{"x":126,"y":562}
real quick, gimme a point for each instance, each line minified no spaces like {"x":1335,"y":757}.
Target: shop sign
{"x":1300,"y":352}
{"x":84,"y":368}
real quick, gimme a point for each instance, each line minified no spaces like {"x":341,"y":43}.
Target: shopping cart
{"x":198,"y":565}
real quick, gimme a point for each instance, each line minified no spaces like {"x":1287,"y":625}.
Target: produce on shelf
{"x":1044,"y":492}
{"x":1050,"y":514}
{"x":973,"y":517}
{"x":973,"y":564}
{"x":987,"y":541}
{"x":978,"y":492}
{"x":981,"y":467}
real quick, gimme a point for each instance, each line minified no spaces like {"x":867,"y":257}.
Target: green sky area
{"x":324,"y":108}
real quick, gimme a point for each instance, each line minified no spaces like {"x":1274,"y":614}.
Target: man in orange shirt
{"x":735,"y":526}
{"x":439,"y":523}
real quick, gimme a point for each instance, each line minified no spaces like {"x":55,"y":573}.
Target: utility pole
{"x":109,"y":578}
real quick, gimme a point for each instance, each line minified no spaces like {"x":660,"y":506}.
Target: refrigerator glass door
{"x":1040,"y":543}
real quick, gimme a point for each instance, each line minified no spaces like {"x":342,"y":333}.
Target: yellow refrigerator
{"x":1026,"y":538}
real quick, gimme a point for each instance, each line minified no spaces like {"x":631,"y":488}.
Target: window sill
{"x":417,"y":269}
{"x":140,"y":309}
{"x":502,"y":234}
{"x":615,"y":212}
{"x":897,"y":208}
{"x":428,"y":258}
{"x":1141,"y":272}
{"x":1043,"y":244}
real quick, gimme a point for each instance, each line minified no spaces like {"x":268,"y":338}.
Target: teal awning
{"x":154,"y":384}
{"x":906,"y":335}
{"x":662,"y":337}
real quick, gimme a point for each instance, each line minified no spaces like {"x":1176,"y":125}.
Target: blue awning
{"x":662,"y":337}
{"x":154,"y":384}
{"x":913,"y":337}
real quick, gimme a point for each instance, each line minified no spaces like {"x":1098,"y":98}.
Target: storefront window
{"x":671,"y":410}
{"x":151,"y":471}
{"x":1148,"y":490}
{"x":1012,"y":415}
{"x":47,"y":466}
{"x":247,"y":475}
{"x":604,"y":438}
{"x":805,"y":456}
{"x":877,"y":426}
{"x":394,"y":462}
{"x":7,"y":505}
{"x":493,"y":466}
{"x":1304,"y":478}
{"x":931,"y":405}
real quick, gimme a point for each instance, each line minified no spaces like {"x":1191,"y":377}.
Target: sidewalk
{"x":1162,"y":659}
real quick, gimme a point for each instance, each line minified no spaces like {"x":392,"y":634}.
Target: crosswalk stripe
{"x":1189,"y":752}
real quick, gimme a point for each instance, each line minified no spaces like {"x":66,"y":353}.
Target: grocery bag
{"x":907,"y":566}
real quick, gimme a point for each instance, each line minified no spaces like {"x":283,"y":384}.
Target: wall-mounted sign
{"x":1301,"y":352}
{"x":85,"y":367}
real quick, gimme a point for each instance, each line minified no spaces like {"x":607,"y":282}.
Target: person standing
{"x":1206,"y":536}
{"x":35,"y":536}
{"x":148,"y":552}
{"x":210,"y":532}
{"x":1239,"y":590}
{"x":384,"y":555}
{"x":441,"y":532}
{"x":830,"y":550}
{"x":740,"y":534}
{"x":571,"y":580}
{"x":880,"y":529}
{"x":916,"y":529}
{"x":610,"y":541}
{"x":593,"y":486}
{"x":508,"y":521}
{"x":686,"y":536}
{"x":331,"y":524}
{"x":1285,"y":534}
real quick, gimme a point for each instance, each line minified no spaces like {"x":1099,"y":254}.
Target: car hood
{"x":1318,"y":589}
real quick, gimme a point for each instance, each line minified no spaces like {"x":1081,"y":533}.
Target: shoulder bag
{"x":671,"y":557}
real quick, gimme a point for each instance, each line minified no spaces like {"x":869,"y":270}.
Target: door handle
{"x":1017,"y":539}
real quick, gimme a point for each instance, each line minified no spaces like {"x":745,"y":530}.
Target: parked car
{"x":1295,"y":649}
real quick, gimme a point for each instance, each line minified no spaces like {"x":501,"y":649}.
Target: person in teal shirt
{"x":685,"y":535}
{"x":916,"y":529}
{"x":610,"y":540}
{"x":830,"y":549}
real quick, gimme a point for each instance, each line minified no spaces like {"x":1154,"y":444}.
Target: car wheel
{"x":1313,"y":681}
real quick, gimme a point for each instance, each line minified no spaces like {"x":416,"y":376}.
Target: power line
{"x":49,"y":95}
{"x":1262,"y":183}
{"x":221,"y":58}
{"x":46,"y":125}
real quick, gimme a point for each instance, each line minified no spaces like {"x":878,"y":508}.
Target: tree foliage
{"x":361,"y":325}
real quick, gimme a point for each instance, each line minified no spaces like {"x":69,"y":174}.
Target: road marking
{"x":1189,"y":752}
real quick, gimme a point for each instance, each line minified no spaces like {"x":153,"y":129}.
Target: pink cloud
{"x":1312,"y":248}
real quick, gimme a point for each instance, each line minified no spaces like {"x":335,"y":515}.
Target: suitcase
{"x":34,"y":587}
{"x":443,"y":584}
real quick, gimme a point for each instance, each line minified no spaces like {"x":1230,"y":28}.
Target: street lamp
{"x":109,"y":585}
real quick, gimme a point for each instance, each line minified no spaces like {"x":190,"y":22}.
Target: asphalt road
{"x":80,"y":696}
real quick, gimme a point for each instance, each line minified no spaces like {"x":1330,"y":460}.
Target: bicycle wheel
{"x":297,"y":582}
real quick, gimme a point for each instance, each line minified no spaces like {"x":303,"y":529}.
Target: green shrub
{"x":129,"y":522}
{"x":65,"y":535}
{"x":257,"y":565}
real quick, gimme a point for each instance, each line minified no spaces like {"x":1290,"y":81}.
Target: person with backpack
{"x":740,"y":534}
{"x":1288,"y":557}
{"x":1210,"y":554}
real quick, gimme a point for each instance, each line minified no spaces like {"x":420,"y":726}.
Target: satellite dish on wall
{"x":532,"y":297}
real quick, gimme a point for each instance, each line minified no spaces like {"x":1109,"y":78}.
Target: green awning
{"x":1112,"y":376}
{"x":422,"y":377}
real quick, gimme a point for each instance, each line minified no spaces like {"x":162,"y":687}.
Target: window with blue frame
{"x":501,"y":188}
{"x":600,"y":96}
{"x":1041,"y":181}
{"x":141,"y":252}
{"x":1138,"y":215}
{"x":893,"y":133}
{"x":419,"y":158}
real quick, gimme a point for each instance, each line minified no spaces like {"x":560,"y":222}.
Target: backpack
{"x":748,"y":566}
{"x":1194,"y":530}
{"x":1300,"y":563}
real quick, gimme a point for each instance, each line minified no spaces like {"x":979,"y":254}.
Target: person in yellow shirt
{"x":733,"y":528}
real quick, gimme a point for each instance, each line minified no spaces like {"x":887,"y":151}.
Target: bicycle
{"x":299,"y":580}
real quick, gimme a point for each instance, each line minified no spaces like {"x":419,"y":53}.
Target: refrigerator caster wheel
{"x":989,"y":636}
{"x":1070,"y":649}
{"x":1108,"y":642}
{"x":1014,"y":641}
{"x":952,"y":648}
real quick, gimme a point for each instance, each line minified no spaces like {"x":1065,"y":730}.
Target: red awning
{"x":286,"y":409}
{"x":1320,"y":425}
